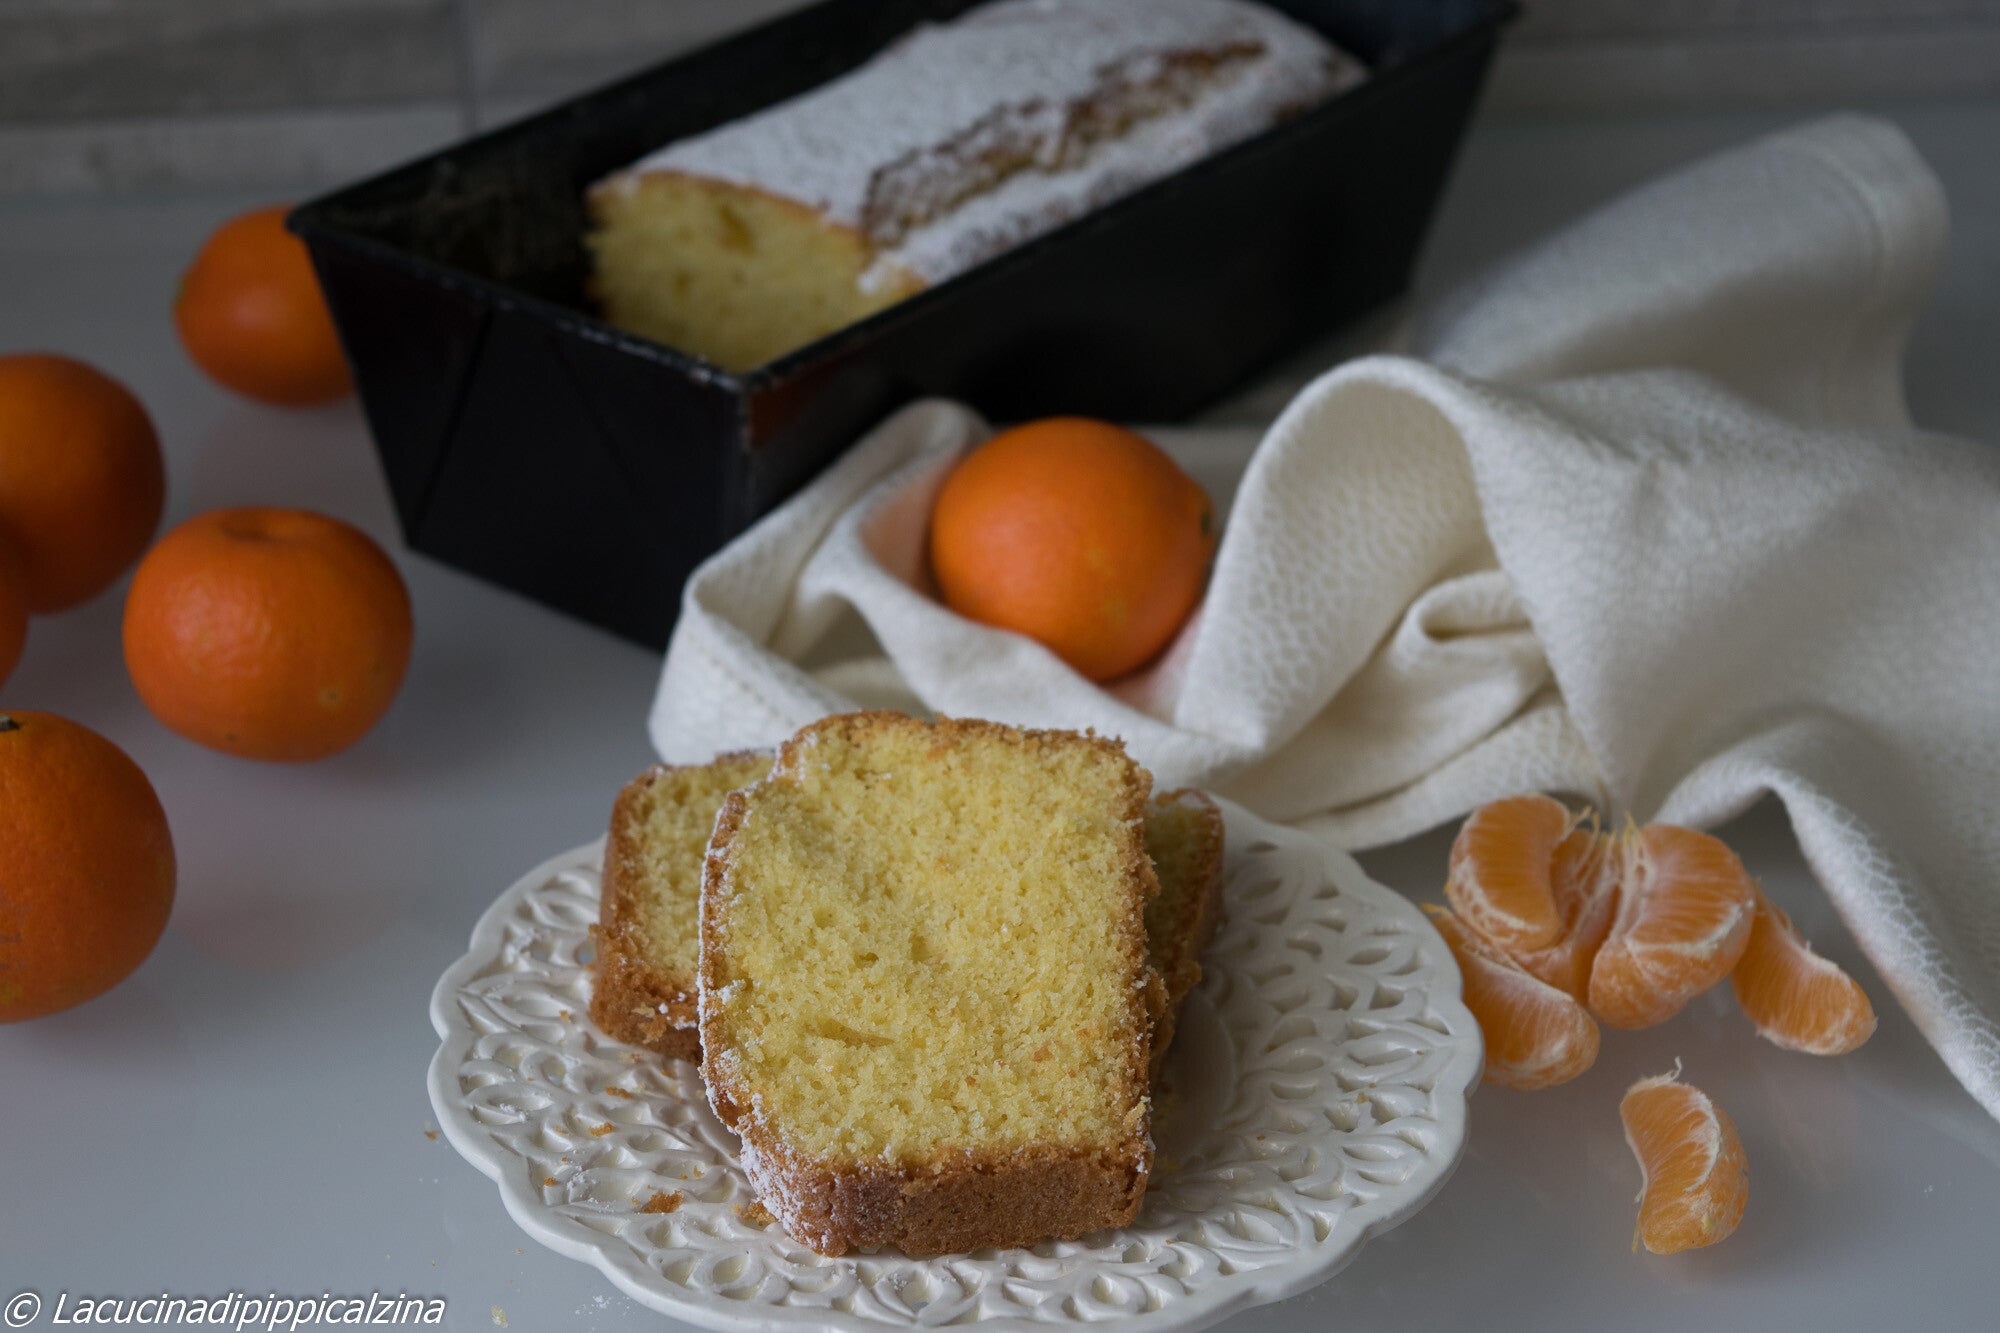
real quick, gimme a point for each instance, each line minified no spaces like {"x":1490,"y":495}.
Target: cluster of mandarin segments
{"x":1558,"y":927}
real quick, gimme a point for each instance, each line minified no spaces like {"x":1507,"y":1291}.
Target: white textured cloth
{"x":1643,"y":519}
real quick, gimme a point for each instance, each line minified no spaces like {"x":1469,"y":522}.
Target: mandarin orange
{"x":1695,"y":1178}
{"x":1797,"y":999}
{"x":1536,"y":1036}
{"x":1683,"y":920}
{"x":81,"y":477}
{"x":86,"y":865}
{"x":250,"y":312}
{"x":269,"y":633}
{"x":13,"y":609}
{"x":1077,"y":533}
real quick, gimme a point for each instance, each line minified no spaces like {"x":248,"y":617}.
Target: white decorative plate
{"x":1315,"y":1097}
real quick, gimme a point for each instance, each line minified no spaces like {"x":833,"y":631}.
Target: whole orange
{"x":268,"y":633}
{"x":1077,"y":533}
{"x":251,"y":314}
{"x":13,"y":609}
{"x":81,"y":478}
{"x":86,"y":865}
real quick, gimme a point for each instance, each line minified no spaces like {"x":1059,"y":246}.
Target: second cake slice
{"x":924,"y":984}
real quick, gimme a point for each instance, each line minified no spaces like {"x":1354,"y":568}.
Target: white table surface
{"x":248,"y":1111}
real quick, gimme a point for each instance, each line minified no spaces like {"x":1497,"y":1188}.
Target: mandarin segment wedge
{"x":1501,"y":867}
{"x":1683,"y":920}
{"x":1584,"y":877}
{"x":1695,"y":1174}
{"x":1797,"y":999}
{"x":1536,"y":1035}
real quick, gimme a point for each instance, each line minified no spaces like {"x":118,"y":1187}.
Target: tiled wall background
{"x":149,"y":95}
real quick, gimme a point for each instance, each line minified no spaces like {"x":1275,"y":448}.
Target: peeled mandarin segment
{"x":1684,"y":910}
{"x":1797,"y":999}
{"x":1536,"y":1036}
{"x":1584,"y":877}
{"x":1696,"y":1177}
{"x":1500,"y":868}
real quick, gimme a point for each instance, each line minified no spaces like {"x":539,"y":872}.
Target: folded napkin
{"x":1643,"y":519}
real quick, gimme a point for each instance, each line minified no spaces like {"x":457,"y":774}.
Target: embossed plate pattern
{"x":1315,"y":1097}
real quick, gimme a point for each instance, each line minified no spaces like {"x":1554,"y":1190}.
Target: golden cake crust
{"x":634,"y":997}
{"x":965,"y":1200}
{"x":1177,"y":952}
{"x":950,"y":1207}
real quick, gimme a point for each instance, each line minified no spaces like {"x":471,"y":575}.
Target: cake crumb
{"x":616,"y":1091}
{"x":499,"y":1316}
{"x":430,"y":1131}
{"x":755,"y":1213}
{"x":549,"y":1181}
{"x":603,"y":1129}
{"x":565,"y":1015}
{"x":662,"y":1203}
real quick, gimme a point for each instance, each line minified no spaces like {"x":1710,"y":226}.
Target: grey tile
{"x":73,"y":60}
{"x":1745,"y":70}
{"x":289,"y":152}
{"x":532,"y":52}
{"x":124,"y":95}
{"x":1601,"y":19}
{"x":1563,"y":55}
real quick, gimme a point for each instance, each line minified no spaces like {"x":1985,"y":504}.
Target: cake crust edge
{"x":1183,"y":971}
{"x":633,"y":998}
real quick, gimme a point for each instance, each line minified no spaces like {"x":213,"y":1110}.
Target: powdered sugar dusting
{"x":768,"y":1185}
{"x":965,"y":139}
{"x":1238,"y":105}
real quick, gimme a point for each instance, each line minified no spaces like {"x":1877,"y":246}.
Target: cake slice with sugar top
{"x":926,"y":1000}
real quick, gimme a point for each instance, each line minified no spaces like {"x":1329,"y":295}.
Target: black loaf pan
{"x":532,"y":444}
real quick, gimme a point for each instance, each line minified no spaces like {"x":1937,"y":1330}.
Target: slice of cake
{"x":648,"y":945}
{"x":924,"y":984}
{"x":1184,"y":840}
{"x":958,"y":142}
{"x":648,"y":931}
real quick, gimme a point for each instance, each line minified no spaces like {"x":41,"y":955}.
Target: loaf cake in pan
{"x":958,"y":142}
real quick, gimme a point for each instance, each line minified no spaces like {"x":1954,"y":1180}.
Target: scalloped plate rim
{"x":1264,"y":1286}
